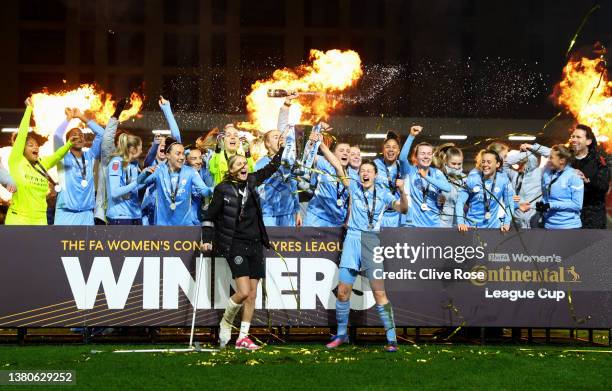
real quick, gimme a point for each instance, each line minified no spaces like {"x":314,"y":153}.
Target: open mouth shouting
{"x":242,"y":174}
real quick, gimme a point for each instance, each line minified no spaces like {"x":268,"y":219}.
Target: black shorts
{"x":246,"y":259}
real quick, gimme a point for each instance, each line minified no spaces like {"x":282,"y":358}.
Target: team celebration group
{"x":218,"y":185}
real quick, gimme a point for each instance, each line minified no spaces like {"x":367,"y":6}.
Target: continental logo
{"x":507,"y":274}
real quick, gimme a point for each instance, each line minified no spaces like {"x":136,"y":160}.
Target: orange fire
{"x":329,"y":73}
{"x":586,"y":93}
{"x":49,"y":107}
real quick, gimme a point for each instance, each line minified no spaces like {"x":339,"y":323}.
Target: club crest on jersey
{"x":115,"y":166}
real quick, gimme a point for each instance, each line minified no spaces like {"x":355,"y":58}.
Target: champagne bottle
{"x":278,"y":93}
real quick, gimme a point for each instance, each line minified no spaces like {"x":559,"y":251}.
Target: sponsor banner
{"x":146,"y":276}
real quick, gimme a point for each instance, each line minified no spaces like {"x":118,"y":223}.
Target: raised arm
{"x":58,"y":136}
{"x":403,"y":156}
{"x":167,"y":110}
{"x":51,"y":161}
{"x":333,"y":160}
{"x":270,"y":168}
{"x":22,"y":134}
{"x":539,"y":149}
{"x":283,"y":113}
{"x":150,"y":158}
{"x":401,"y":205}
{"x":108,"y":141}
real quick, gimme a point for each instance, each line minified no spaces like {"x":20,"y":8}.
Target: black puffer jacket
{"x":220,"y":217}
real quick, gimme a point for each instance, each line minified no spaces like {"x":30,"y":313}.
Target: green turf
{"x":311,"y":367}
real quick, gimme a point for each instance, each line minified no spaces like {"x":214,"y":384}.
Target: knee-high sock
{"x":386,"y":315}
{"x":343,"y":308}
{"x":230,"y":312}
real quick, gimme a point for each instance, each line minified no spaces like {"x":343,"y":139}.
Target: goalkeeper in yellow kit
{"x":30,"y":173}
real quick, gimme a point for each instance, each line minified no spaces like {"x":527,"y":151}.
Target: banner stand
{"x":193,"y":347}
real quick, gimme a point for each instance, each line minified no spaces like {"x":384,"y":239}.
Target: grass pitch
{"x":312,"y":367}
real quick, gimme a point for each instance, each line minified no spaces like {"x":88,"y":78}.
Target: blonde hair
{"x":444,"y":153}
{"x":230,"y":163}
{"x":207,"y":141}
{"x":563,"y":152}
{"x":124,"y":143}
{"x":498,"y":147}
{"x":479,"y":158}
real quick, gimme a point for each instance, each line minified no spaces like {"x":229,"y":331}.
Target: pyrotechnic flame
{"x":329,"y":72}
{"x":586,"y":93}
{"x":49,"y":107}
{"x":48,"y":112}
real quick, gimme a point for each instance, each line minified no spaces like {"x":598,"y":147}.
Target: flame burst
{"x":329,"y":73}
{"x":586,"y":93}
{"x":49,"y":107}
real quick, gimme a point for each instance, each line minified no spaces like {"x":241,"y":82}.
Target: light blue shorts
{"x":312,"y":220}
{"x":279,"y":221}
{"x":390,"y":219}
{"x":69,"y":217}
{"x":357,"y":254}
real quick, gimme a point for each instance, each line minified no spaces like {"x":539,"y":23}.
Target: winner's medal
{"x":84,"y":183}
{"x":173,"y":206}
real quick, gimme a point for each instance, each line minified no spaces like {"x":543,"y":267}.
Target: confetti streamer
{"x":584,"y":20}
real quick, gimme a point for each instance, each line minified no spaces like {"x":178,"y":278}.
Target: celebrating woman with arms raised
{"x":30,"y":172}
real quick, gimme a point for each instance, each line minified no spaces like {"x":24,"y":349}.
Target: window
{"x":219,"y":9}
{"x":87,"y":10}
{"x":262,"y":13}
{"x":181,"y":50}
{"x":42,"y":47}
{"x":367,"y":14}
{"x":261,"y":51}
{"x":181,"y":11}
{"x":87,"y":44}
{"x":126,"y":49}
{"x":42,"y":10}
{"x":219,"y":51}
{"x":126,"y":11}
{"x":182,"y":90}
{"x":321,"y":13}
